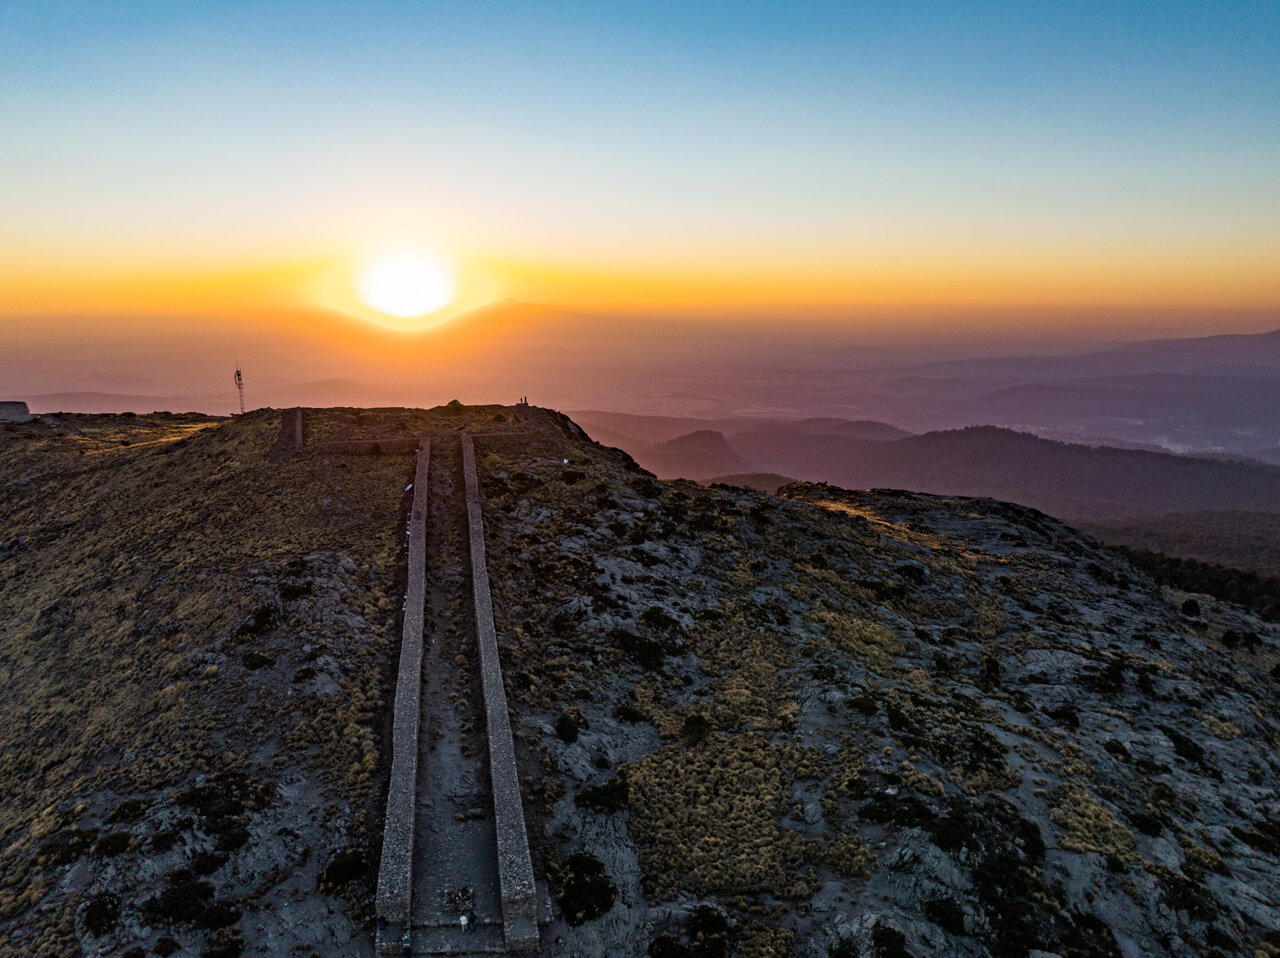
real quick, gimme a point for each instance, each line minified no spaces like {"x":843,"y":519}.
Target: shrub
{"x":343,"y":868}
{"x":706,"y":922}
{"x":259,"y":621}
{"x":130,"y":810}
{"x":668,"y":946}
{"x":944,"y":913}
{"x":225,"y":944}
{"x":291,"y":591}
{"x":626,"y":712}
{"x":586,"y":892}
{"x":695,"y":730}
{"x":608,"y":797}
{"x":219,"y":914}
{"x":64,"y":847}
{"x":113,"y":844}
{"x":101,"y":914}
{"x":658,"y":620}
{"x":257,"y":660}
{"x":888,"y":942}
{"x":1066,"y":715}
{"x":206,"y":863}
{"x":163,"y":841}
{"x":232,"y":838}
{"x":646,"y":653}
{"x":570,"y":723}
{"x":182,"y":901}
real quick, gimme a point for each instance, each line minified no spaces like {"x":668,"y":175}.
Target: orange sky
{"x":1101,"y":276}
{"x":726,"y":159}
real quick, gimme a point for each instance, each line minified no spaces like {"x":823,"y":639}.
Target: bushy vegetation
{"x":709,"y":817}
{"x":1239,"y":540}
{"x":1237,"y":586}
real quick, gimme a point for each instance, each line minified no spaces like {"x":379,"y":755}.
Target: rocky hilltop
{"x":815,"y":723}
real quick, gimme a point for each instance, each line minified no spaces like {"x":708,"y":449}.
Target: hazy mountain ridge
{"x":705,"y":452}
{"x":1072,"y":480}
{"x":1216,"y":392}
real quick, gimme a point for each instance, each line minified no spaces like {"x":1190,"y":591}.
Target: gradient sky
{"x":228,"y":157}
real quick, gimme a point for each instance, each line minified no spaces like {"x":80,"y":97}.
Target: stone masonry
{"x":515,"y":865}
{"x":14,"y":412}
{"x":395,"y":875}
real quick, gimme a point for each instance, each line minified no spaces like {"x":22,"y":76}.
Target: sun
{"x":406,"y":284}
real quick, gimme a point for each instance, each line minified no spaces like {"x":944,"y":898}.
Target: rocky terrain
{"x":813,"y":723}
{"x":877,"y":723}
{"x":194,"y":645}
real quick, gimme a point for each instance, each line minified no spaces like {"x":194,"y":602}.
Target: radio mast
{"x":240,"y":387}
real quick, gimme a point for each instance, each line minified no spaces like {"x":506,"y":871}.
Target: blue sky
{"x":631,"y":134}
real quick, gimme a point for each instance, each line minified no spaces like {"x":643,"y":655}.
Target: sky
{"x":851,"y":162}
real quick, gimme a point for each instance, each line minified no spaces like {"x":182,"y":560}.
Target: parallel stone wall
{"x":395,"y":874}
{"x":515,"y":865}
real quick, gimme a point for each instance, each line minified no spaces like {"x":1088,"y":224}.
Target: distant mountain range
{"x":1070,"y":480}
{"x":1214,"y":394}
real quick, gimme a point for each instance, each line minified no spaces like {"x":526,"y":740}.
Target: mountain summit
{"x":822,"y":722}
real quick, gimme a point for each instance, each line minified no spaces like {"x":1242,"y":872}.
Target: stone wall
{"x":515,"y":865}
{"x":395,"y":874}
{"x":14,"y":412}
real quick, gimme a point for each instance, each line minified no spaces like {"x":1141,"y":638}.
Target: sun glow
{"x":406,"y":284}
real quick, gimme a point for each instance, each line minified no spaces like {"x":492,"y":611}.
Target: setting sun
{"x":406,"y":285}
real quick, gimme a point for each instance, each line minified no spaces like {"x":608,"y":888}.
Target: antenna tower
{"x":240,"y":387}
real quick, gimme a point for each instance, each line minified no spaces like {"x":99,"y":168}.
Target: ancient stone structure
{"x":289,"y":443}
{"x":395,"y":875}
{"x":429,"y":851}
{"x":515,"y":865}
{"x":14,"y":412}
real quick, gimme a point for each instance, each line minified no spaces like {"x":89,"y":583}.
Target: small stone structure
{"x":395,"y":874}
{"x":365,"y":447}
{"x":14,"y":412}
{"x":289,"y":443}
{"x":515,"y":865}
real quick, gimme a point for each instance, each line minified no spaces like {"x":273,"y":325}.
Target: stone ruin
{"x":14,"y":412}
